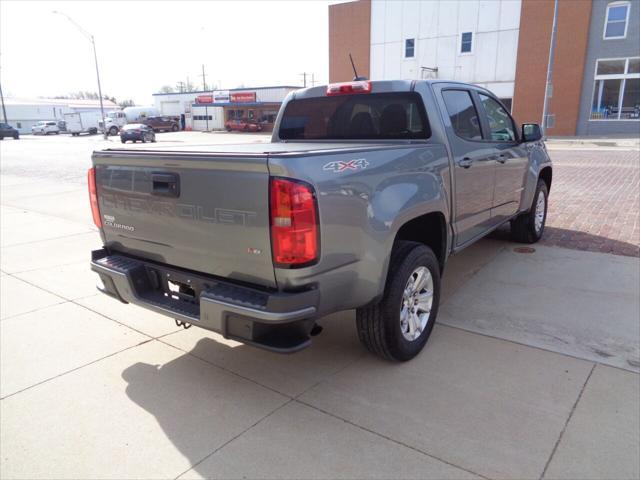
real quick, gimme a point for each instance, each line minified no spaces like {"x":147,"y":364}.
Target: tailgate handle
{"x":165,"y":184}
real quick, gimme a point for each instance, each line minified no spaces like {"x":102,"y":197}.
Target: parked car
{"x":243,"y":125}
{"x":45,"y":128}
{"x":364,"y":193}
{"x":137,"y":132}
{"x":7,"y":130}
{"x":160,"y":124}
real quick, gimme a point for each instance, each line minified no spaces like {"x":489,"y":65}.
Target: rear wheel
{"x":398,"y":327}
{"x":529,"y":226}
{"x":123,"y":140}
{"x":174,"y":128}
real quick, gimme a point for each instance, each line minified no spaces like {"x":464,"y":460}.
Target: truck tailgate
{"x":207,"y":212}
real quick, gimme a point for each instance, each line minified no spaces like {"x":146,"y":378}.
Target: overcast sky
{"x":143,"y":45}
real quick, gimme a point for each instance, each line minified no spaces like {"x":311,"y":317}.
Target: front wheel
{"x":113,"y":131}
{"x":529,"y":226}
{"x":398,"y":327}
{"x":174,"y":128}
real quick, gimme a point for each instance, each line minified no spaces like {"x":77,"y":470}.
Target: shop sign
{"x":204,"y":99}
{"x":221,"y":96}
{"x":243,"y":97}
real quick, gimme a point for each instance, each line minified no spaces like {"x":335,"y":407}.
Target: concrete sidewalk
{"x":531,"y":372}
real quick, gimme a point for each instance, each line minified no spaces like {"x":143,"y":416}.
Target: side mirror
{"x":531,"y":132}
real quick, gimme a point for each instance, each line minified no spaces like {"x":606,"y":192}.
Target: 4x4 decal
{"x":339,"y":166}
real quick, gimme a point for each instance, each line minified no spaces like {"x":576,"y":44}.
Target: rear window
{"x":398,"y":115}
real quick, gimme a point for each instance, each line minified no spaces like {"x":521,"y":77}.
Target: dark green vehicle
{"x":358,"y":201}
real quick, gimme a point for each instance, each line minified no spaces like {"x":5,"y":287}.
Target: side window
{"x":462,"y":113}
{"x":500,"y":123}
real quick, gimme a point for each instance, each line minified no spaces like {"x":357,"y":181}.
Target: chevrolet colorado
{"x":364,"y":191}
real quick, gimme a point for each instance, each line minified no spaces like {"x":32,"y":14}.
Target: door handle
{"x":466,"y":162}
{"x":501,"y":158}
{"x":165,"y":184}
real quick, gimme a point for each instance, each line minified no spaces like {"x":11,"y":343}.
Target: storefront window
{"x":616,"y":92}
{"x":268,"y":116}
{"x":631,"y":99}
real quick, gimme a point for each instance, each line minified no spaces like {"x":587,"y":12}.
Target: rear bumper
{"x":273,"y":320}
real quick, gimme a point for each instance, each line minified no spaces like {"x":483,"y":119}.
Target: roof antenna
{"x":356,"y":78}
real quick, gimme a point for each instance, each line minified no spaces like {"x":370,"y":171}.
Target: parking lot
{"x":532,"y":370}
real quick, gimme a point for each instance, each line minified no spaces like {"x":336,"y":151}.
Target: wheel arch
{"x":546,"y":174}
{"x":429,"y":229}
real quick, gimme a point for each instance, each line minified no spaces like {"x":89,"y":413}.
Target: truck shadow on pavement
{"x":213,"y":390}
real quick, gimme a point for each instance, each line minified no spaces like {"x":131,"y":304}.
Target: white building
{"x":470,"y":41}
{"x":209,"y":110}
{"x":23,"y":113}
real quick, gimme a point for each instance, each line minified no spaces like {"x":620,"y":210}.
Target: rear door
{"x":199,"y":211}
{"x":510,"y":157}
{"x":474,"y":165}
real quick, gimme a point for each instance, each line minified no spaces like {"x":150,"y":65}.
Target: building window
{"x":268,"y":116}
{"x":410,"y":48}
{"x":466,"y":42}
{"x":616,"y":90}
{"x":617,"y":17}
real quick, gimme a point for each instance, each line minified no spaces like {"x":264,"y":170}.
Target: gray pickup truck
{"x":364,"y":191}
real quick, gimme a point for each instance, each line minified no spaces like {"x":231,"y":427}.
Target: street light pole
{"x":95,"y":57}
{"x":548,"y":88}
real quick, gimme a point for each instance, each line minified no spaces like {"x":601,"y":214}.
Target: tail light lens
{"x":294,"y":223}
{"x":93,"y":197}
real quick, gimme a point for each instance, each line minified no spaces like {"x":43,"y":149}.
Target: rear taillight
{"x":294,"y":223}
{"x":349,"y":88}
{"x":93,"y":197}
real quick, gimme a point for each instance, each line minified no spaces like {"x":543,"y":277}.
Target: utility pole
{"x":4,"y":111}
{"x":304,"y":78}
{"x":95,"y":57}
{"x":204,"y":81}
{"x":548,"y":89}
{"x":181,"y":86}
{"x":313,"y":79}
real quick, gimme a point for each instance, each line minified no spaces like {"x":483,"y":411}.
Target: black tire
{"x":174,"y":128}
{"x":523,"y":227}
{"x":113,"y":131}
{"x":153,"y":139}
{"x":378,"y":324}
{"x":228,"y":129}
{"x":16,"y":136}
{"x":123,"y":140}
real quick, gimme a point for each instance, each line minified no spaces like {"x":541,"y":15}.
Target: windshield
{"x":380,"y":116}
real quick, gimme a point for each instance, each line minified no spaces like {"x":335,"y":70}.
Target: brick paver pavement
{"x":595,"y":201}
